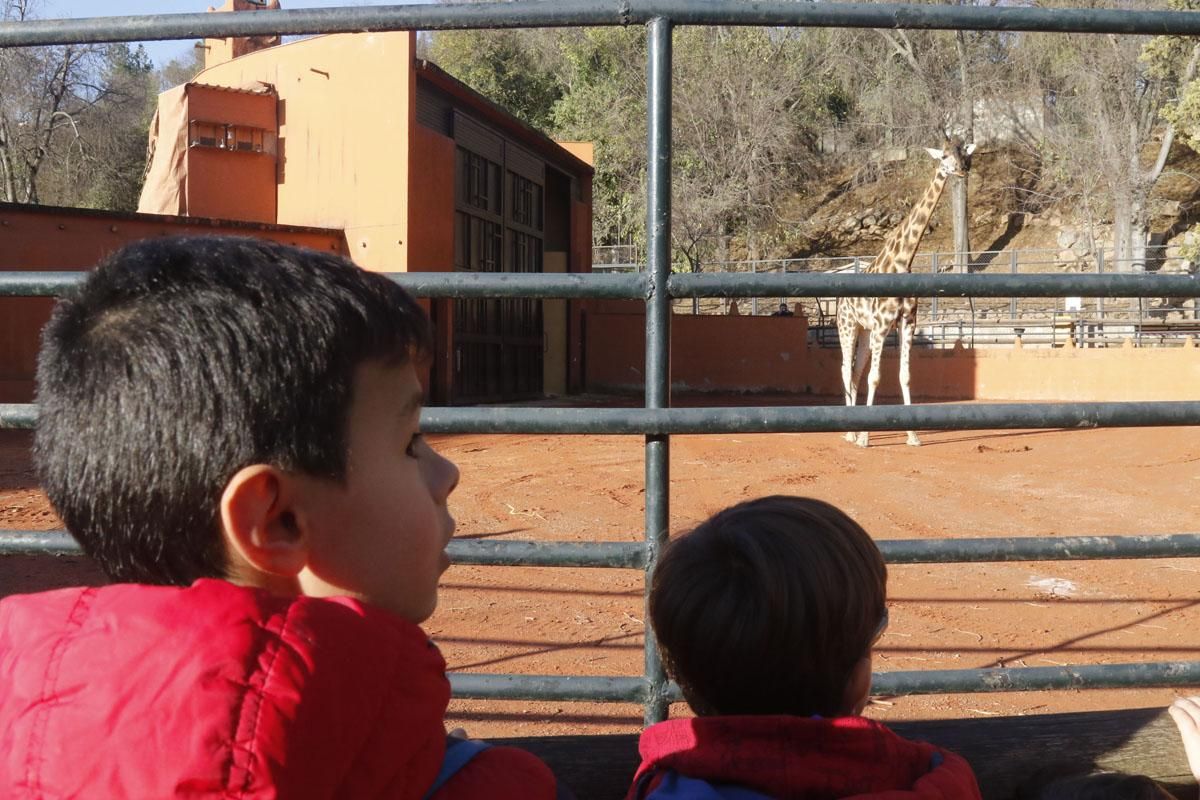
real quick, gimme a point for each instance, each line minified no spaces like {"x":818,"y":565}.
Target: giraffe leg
{"x":877,"y":339}
{"x":907,"y":328}
{"x":862,"y":354}
{"x":851,"y":371}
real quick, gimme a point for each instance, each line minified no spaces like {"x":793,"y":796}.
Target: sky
{"x":162,"y":52}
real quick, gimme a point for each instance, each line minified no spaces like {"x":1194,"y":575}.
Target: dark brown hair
{"x":767,"y":606}
{"x":179,"y":361}
{"x":1099,"y":786}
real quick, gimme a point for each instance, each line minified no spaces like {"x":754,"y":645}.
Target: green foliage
{"x":118,"y":130}
{"x":506,"y":66}
{"x":604,"y":102}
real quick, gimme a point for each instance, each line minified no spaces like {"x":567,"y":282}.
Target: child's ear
{"x":858,"y":688}
{"x":261,"y":523}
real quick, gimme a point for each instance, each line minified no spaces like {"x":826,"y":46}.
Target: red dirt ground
{"x":976,"y":484}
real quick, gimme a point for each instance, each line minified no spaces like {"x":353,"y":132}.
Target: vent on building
{"x":223,"y":136}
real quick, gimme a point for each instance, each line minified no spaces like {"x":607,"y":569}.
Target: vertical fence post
{"x":754,"y":300}
{"x":658,"y":328}
{"x":1100,"y":271}
{"x":1013,"y":258}
{"x":933,"y":306}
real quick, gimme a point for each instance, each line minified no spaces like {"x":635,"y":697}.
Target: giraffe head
{"x":953,"y":158}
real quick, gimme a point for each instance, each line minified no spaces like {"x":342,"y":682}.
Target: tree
{"x":516,"y":69}
{"x":1110,"y":96}
{"x":71,"y":118}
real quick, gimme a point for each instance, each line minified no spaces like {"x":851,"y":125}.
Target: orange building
{"x":353,"y":136}
{"x":352,"y":132}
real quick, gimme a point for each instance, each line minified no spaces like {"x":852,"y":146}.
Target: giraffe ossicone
{"x":864,"y":322}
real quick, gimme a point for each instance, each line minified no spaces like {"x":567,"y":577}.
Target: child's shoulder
{"x":214,"y":620}
{"x":131,"y":666}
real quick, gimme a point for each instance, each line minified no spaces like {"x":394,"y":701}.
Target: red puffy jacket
{"x":794,"y":758}
{"x":220,"y":691}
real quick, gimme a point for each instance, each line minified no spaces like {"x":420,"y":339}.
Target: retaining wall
{"x":739,"y":353}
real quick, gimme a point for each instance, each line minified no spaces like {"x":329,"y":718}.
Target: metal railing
{"x":1158,"y":259}
{"x":657,"y":287}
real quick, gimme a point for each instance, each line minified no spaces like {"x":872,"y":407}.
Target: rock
{"x":1066,"y":238}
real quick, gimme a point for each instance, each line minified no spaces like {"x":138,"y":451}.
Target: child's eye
{"x":412,"y":445}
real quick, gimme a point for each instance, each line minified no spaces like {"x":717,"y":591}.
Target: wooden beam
{"x":1004,"y":751}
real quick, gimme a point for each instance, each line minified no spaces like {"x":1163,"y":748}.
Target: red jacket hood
{"x":806,"y":759}
{"x":214,"y":690}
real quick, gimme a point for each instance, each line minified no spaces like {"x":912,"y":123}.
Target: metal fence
{"x":658,"y":287}
{"x":1099,"y":322}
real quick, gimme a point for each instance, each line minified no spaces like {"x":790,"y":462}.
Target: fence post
{"x":1100,"y":271}
{"x":658,"y":331}
{"x":754,"y":300}
{"x":933,"y":305}
{"x":1013,"y":267}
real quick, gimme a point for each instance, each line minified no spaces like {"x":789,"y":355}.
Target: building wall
{"x":346,"y":114}
{"x":232,"y":184}
{"x":431,"y":246}
{"x":42,"y":239}
{"x":771,"y":354}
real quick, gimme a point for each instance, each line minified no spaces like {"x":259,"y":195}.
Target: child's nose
{"x":447,"y":472}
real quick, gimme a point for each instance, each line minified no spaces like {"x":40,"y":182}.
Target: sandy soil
{"x":972,"y":484}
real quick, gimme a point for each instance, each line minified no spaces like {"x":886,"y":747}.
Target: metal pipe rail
{"x":641,"y":286}
{"x":590,"y":13}
{"x":888,"y":684}
{"x":776,"y":419}
{"x":657,"y":286}
{"x":635,"y":555}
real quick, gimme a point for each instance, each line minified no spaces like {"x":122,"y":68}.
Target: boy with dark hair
{"x":231,"y":429}
{"x":1095,"y":786}
{"x":766,"y":615}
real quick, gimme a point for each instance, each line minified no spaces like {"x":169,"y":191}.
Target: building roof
{"x":499,"y":116}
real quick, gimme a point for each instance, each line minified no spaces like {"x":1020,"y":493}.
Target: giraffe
{"x":875,"y":316}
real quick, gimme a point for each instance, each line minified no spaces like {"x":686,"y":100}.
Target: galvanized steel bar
{"x":620,"y":555}
{"x":1036,"y":679}
{"x":825,"y":284}
{"x":573,"y":13}
{"x":542,"y":285}
{"x":1038,"y":548}
{"x":633,"y":555}
{"x":421,"y":284}
{"x":658,"y":329}
{"x":914,"y":682}
{"x":51,"y":543}
{"x":779,"y":419}
{"x":792,"y":284}
{"x":18,"y":415}
{"x":38,"y":284}
{"x":548,"y":687}
{"x":830,"y":418}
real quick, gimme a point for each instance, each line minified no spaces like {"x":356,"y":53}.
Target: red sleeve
{"x":501,"y":773}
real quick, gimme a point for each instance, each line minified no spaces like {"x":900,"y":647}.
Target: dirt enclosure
{"x":968,"y":484}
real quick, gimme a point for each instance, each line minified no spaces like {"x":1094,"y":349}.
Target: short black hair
{"x":179,"y":361}
{"x":766,"y":607}
{"x":1069,"y":784}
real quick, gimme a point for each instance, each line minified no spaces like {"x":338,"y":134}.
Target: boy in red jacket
{"x":766,"y":616}
{"x":231,"y":429}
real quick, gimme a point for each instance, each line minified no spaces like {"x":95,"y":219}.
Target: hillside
{"x":1011,"y":207}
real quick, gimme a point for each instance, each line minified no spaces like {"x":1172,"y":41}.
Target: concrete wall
{"x":346,"y":115}
{"x":42,"y":238}
{"x":225,"y":183}
{"x":771,"y":354}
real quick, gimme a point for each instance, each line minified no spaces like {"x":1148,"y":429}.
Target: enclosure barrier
{"x":657,"y":287}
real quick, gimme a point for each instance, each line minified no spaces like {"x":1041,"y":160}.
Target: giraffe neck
{"x":901,"y":245}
